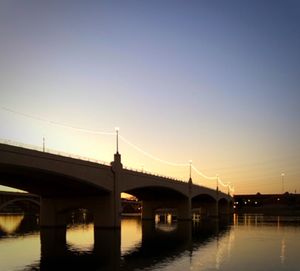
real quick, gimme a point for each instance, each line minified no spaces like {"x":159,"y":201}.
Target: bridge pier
{"x":106,"y":212}
{"x":184,"y":209}
{"x":53,"y":212}
{"x":106,"y":208}
{"x":182,"y":206}
{"x":50,"y":215}
{"x":148,"y":209}
{"x":213,"y":210}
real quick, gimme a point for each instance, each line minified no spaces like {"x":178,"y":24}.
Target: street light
{"x":43,"y":144}
{"x":282,"y":182}
{"x":228,"y":186}
{"x":190,"y":169}
{"x":117,"y":138}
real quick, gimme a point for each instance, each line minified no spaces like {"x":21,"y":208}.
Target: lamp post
{"x":190,"y":170}
{"x":117,"y":138}
{"x":43,"y":144}
{"x":217,"y":177}
{"x":228,"y":186}
{"x":282,"y":182}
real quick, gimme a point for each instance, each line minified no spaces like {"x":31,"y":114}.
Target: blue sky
{"x":212,"y":81}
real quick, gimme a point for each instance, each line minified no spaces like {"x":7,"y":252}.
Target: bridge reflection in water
{"x":151,"y":243}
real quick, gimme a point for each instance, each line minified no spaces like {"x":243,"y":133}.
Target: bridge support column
{"x":54,"y":210}
{"x":148,"y":209}
{"x":214,"y":210}
{"x":184,"y":209}
{"x":182,"y":206}
{"x":53,"y":244}
{"x":105,"y":211}
{"x":50,"y":215}
{"x":116,"y":210}
{"x":107,"y":247}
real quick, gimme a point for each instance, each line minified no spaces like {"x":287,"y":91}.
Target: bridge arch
{"x":133,"y":181}
{"x":204,"y":205}
{"x":45,"y":182}
{"x":160,"y":197}
{"x":9,"y":202}
{"x":146,"y":192}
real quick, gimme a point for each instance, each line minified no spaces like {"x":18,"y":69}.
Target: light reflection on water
{"x":9,"y":223}
{"x":248,"y":242}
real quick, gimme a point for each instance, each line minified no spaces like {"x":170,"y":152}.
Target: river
{"x":245,"y":242}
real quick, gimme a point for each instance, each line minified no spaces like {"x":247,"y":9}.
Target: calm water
{"x":245,"y":243}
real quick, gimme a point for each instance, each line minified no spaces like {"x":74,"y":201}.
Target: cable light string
{"x":152,"y":156}
{"x":203,"y":175}
{"x":174,"y":164}
{"x":124,"y":140}
{"x":57,"y":123}
{"x":225,"y":185}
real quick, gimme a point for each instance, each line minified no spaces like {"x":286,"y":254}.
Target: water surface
{"x":247,"y":242}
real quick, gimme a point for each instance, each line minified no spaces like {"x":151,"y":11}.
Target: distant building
{"x":285,"y":204}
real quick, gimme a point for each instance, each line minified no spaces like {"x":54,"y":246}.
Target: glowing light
{"x":150,"y":155}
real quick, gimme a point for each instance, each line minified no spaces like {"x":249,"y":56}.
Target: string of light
{"x":152,"y":156}
{"x":57,"y":123}
{"x":175,"y":164}
{"x":79,"y":129}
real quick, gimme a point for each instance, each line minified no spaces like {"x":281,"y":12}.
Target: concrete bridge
{"x":65,"y":183}
{"x":12,"y":200}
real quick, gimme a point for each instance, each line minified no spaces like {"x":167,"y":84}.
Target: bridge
{"x":66,"y":183}
{"x":20,"y":202}
{"x":11,"y":201}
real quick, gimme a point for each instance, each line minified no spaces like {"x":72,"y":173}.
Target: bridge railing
{"x":153,"y":174}
{"x":52,"y":151}
{"x":79,"y":157}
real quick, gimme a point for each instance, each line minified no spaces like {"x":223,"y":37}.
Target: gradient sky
{"x":212,"y":81}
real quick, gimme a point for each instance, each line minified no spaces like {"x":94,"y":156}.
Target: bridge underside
{"x":205,"y":206}
{"x":59,"y":194}
{"x":46,"y":184}
{"x":157,"y":198}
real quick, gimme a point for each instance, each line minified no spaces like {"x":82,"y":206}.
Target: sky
{"x":215,"y":82}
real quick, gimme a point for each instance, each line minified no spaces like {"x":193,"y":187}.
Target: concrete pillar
{"x":53,"y":210}
{"x":184,"y":210}
{"x":116,"y":210}
{"x":213,"y":210}
{"x":53,"y":244}
{"x":148,"y":210}
{"x":104,"y":210}
{"x":216,"y":212}
{"x":50,"y":215}
{"x":107,"y":247}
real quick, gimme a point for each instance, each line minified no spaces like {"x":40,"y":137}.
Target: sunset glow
{"x":166,"y":73}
